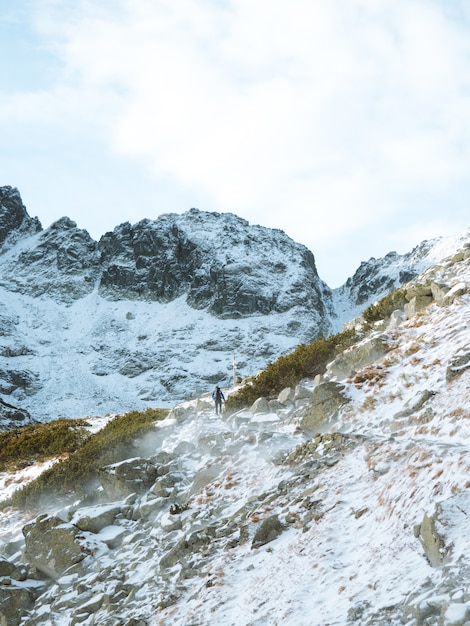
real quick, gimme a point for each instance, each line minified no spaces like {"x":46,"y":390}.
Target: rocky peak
{"x":218,"y":260}
{"x":61,"y":262}
{"x":14,"y":219}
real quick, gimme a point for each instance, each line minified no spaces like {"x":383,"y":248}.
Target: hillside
{"x":343,"y":501}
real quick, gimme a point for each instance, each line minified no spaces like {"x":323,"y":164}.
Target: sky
{"x":345,"y":123}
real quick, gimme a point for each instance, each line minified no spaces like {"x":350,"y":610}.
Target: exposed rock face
{"x":15,"y":222}
{"x":63,"y":259}
{"x":220,"y":262}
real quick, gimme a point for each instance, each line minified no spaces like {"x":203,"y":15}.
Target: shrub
{"x":385,"y":307}
{"x":76,"y":475}
{"x":26,"y":445}
{"x":306,"y":361}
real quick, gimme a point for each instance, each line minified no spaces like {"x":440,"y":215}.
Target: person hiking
{"x":218,"y":397}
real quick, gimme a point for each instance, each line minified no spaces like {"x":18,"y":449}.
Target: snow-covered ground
{"x":347,"y":549}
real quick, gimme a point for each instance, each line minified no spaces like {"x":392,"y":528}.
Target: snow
{"x":348,"y":552}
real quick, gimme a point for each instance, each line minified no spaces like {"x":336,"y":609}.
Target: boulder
{"x":130,"y":476}
{"x":269,"y":530}
{"x":417,"y":304}
{"x":418,"y":290}
{"x":260,"y":405}
{"x":52,"y":545}
{"x":439,"y":292}
{"x":95,"y":518}
{"x":327,"y":399}
{"x":286,"y":396}
{"x":457,"y":290}
{"x":356,"y":358}
{"x":15,"y":601}
{"x":415,"y":404}
{"x":303,"y":390}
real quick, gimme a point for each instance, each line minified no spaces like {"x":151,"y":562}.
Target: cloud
{"x":321,"y":117}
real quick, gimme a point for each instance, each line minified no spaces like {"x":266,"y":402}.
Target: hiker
{"x":218,"y":397}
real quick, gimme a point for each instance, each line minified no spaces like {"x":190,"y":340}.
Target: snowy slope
{"x":347,"y":506}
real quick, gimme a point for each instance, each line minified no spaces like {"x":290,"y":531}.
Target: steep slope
{"x":346,"y":502}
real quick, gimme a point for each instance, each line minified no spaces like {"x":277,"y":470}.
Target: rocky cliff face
{"x":15,"y":222}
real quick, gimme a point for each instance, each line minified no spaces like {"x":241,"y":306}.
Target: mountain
{"x":343,"y":501}
{"x":158,"y":312}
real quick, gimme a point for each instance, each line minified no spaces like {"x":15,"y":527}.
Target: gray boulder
{"x":95,"y":518}
{"x":356,"y":358}
{"x":286,"y":396}
{"x":260,"y":405}
{"x":52,"y":545}
{"x":325,"y":404}
{"x":269,"y":530}
{"x":130,"y":476}
{"x":417,"y":303}
{"x":15,"y":601}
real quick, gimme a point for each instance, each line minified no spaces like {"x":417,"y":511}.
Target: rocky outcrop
{"x":439,"y":533}
{"x":357,"y":357}
{"x":132,"y":475}
{"x":10,"y":414}
{"x":63,"y":259}
{"x":15,"y":222}
{"x":217,"y":261}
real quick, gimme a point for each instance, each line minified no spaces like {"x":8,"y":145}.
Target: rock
{"x":458,"y":363}
{"x":416,"y":304}
{"x":132,"y":475}
{"x":15,"y":601}
{"x":275,"y":406}
{"x":65,"y":257}
{"x":396,"y":318}
{"x":357,"y":357}
{"x":260,"y":406}
{"x":417,"y":290}
{"x":324,"y":446}
{"x":95,"y":518}
{"x":439,"y":533}
{"x":6,"y":568}
{"x":52,"y":546}
{"x":439,"y":292}
{"x":457,"y":290}
{"x":13,"y":416}
{"x":326,"y":401}
{"x":415,"y":404}
{"x":269,"y":530}
{"x":286,"y":396}
{"x":303,"y":390}
{"x":15,"y":222}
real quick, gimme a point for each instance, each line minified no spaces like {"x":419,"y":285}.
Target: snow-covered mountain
{"x":158,"y":311}
{"x":345,"y":501}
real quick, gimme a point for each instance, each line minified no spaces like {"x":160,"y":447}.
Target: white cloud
{"x":321,"y":117}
